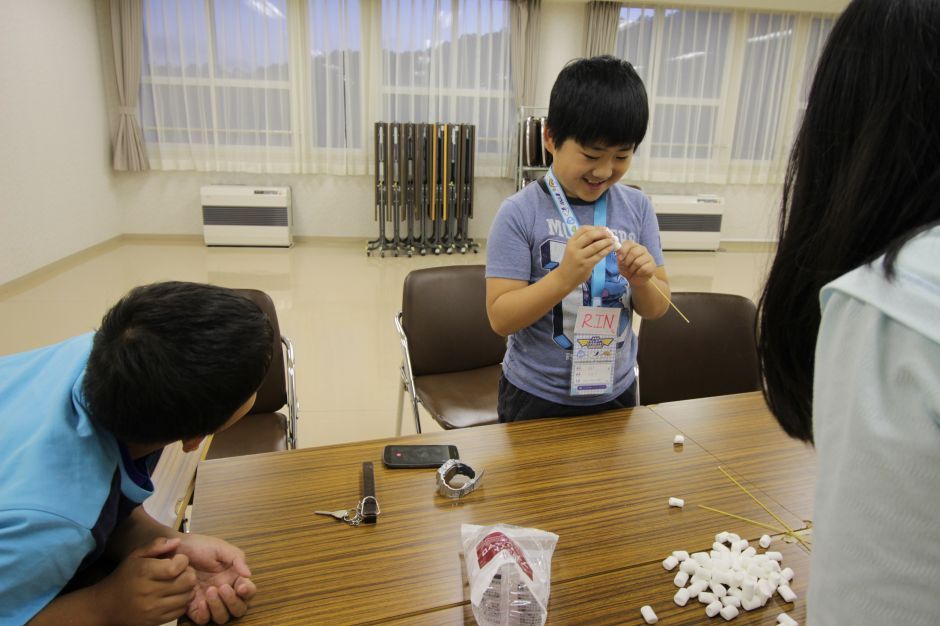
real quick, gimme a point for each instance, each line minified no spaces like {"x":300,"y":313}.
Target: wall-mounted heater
{"x":241,"y":215}
{"x":689,"y":222}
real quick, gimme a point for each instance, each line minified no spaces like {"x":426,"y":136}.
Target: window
{"x":283,"y":86}
{"x":216,"y":73}
{"x":448,"y":61}
{"x":726,"y":89}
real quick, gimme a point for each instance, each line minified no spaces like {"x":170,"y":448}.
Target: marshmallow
{"x":747,"y":589}
{"x":677,"y":502}
{"x":729,"y":612}
{"x":749,"y":604}
{"x":718,"y":589}
{"x":764,"y":588}
{"x":696,"y":588}
{"x":712,"y":609}
{"x":786,"y":593}
{"x":649,"y":616}
{"x":706,"y":598}
{"x":785,"y":620}
{"x":681,"y":597}
{"x":730,"y":600}
{"x":731,"y":577}
{"x":681,"y":579}
{"x":678,"y":440}
{"x":765,"y":541}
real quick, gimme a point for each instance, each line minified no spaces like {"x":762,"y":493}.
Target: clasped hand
{"x":204,"y":577}
{"x":590,"y":244}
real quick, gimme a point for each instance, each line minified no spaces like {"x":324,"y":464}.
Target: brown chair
{"x":451,"y":358}
{"x":265,"y":428}
{"x":714,"y":355}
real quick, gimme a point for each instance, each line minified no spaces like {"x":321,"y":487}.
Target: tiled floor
{"x":335,"y":304}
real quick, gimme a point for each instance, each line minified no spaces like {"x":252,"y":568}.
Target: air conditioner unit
{"x":689,"y":222}
{"x":241,"y":215}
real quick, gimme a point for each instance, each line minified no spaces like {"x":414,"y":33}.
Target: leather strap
{"x":369,"y":503}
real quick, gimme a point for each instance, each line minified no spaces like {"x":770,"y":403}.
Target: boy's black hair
{"x":600,"y":100}
{"x":863,"y":179}
{"x":175,"y":360}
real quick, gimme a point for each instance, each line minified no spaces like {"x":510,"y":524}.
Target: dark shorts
{"x":516,"y":405}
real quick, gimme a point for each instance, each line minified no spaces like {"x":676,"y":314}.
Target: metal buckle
{"x":452,"y":468}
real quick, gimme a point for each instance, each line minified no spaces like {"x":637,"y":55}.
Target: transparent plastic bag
{"x":509,"y":569}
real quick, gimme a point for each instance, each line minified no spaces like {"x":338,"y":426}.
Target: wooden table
{"x":600,"y":482}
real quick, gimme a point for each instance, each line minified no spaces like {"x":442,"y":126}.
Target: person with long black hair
{"x":849,"y":319}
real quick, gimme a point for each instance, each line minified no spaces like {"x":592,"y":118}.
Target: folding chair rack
{"x":423,"y":188}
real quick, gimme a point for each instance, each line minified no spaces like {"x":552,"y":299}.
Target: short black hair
{"x":598,"y":100}
{"x":175,"y":360}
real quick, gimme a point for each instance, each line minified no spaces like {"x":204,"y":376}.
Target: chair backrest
{"x":272,"y":395}
{"x":444,"y":317}
{"x":714,"y":355}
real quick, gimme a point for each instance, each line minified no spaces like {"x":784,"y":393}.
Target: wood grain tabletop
{"x":600,"y":482}
{"x":747,"y":438}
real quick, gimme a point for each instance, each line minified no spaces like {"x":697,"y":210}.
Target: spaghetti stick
{"x":617,"y":246}
{"x":744,"y":519}
{"x":656,"y":287}
{"x":790,"y":531}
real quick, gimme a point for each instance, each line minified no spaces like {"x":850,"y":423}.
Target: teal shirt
{"x":56,"y":470}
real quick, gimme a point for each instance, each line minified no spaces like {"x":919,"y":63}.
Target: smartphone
{"x":418,"y":456}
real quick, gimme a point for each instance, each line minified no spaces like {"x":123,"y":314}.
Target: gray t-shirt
{"x":526,"y":242}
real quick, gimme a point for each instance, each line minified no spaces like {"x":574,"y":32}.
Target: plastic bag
{"x":509,"y":569}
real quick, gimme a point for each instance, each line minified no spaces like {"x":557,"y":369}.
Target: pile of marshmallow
{"x":732,"y":576}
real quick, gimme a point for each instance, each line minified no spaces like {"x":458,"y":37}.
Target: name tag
{"x":594,"y":351}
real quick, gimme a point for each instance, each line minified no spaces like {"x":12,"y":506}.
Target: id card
{"x":595,"y":351}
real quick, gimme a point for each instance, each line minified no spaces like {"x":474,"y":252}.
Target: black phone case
{"x":418,"y":455}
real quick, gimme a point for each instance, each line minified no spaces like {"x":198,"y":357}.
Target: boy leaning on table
{"x":82,"y":424}
{"x":555,"y":283}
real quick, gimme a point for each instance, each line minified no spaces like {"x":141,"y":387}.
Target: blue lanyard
{"x":570,"y":222}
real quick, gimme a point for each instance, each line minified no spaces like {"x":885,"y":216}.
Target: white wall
{"x":56,"y":194}
{"x":323,"y":206}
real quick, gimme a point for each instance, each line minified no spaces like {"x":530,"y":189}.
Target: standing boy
{"x":553,"y":269}
{"x":82,"y":424}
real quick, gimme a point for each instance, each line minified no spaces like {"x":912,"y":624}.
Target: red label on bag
{"x":496,"y":542}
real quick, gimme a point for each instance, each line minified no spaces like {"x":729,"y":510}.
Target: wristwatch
{"x":449,"y":470}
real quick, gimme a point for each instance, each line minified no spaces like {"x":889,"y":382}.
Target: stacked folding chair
{"x":423,"y":188}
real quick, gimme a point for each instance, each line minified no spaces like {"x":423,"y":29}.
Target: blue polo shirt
{"x":63,"y":483}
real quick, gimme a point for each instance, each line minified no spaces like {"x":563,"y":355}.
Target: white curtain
{"x":724,"y":89}
{"x":253,"y":85}
{"x":449,"y":61}
{"x":600,"y":32}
